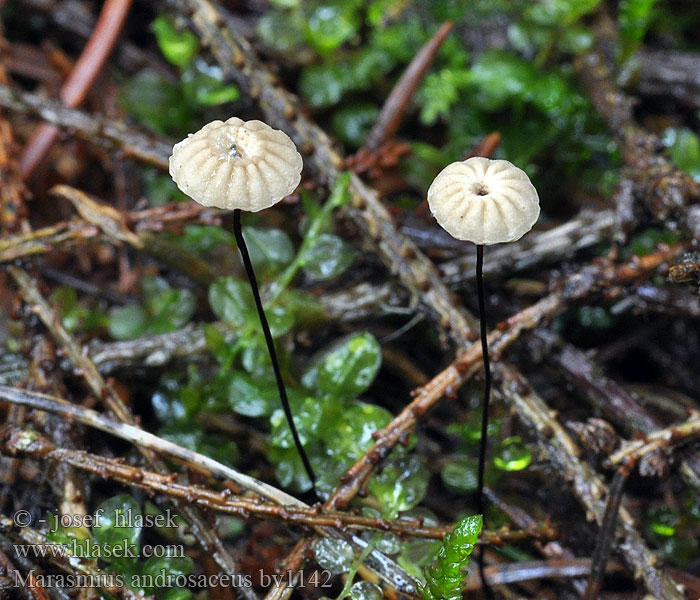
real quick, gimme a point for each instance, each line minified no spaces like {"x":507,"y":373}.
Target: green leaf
{"x":352,"y":425}
{"x":501,"y":76}
{"x":684,"y":147}
{"x":232,"y":301}
{"x":307,"y":419}
{"x":268,"y":247}
{"x":118,"y":526}
{"x":401,"y":485}
{"x":334,"y":555}
{"x":152,"y":100}
{"x":128,"y":322}
{"x":289,"y":470}
{"x":365,"y":590}
{"x":203,"y":85}
{"x":352,"y":124}
{"x":560,"y":13}
{"x":460,"y":475}
{"x":214,"y":446}
{"x":306,"y":310}
{"x":445,"y":578}
{"x":347,"y":368}
{"x":282,"y":31}
{"x":178,"y":47}
{"x":323,"y":85}
{"x":330,"y":24}
{"x":170,"y":566}
{"x":328,"y":257}
{"x":170,"y":310}
{"x":251,"y":397}
{"x":440,"y":91}
{"x":513,"y":455}
{"x":634,"y":17}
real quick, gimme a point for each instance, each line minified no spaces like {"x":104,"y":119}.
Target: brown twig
{"x":397,"y":101}
{"x":20,"y":442}
{"x":651,"y":180}
{"x":83,"y":75}
{"x":615,"y":403}
{"x":606,"y":536}
{"x":112,"y":134}
{"x":679,"y":433}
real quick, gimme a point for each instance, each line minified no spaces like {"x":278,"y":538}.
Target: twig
{"x":139,"y":437}
{"x":613,"y":401}
{"x":17,"y":441}
{"x":112,"y":134}
{"x":652,"y":180}
{"x":398,"y":100}
{"x":557,"y":568}
{"x":13,"y":192}
{"x":189,"y":343}
{"x":539,"y":247}
{"x":662,"y":439}
{"x":389,"y":570}
{"x":87,"y":68}
{"x":607,"y":533}
{"x":669,"y":74}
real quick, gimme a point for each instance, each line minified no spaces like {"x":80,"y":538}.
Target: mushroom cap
{"x":236,"y":164}
{"x":484,"y":201}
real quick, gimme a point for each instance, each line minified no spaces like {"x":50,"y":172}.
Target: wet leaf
{"x":329,"y":24}
{"x":334,"y":555}
{"x":513,"y":455}
{"x":178,"y":47}
{"x":328,"y":257}
{"x":347,"y":368}
{"x":117,"y":525}
{"x":365,"y":590}
{"x":460,"y":475}
{"x":352,"y":124}
{"x":268,"y":247}
{"x":401,"y":485}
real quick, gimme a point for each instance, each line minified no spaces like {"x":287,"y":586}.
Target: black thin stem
{"x":484,"y":404}
{"x":238,"y":232}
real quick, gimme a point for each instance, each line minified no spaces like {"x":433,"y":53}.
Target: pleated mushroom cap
{"x":236,"y":164}
{"x":484,"y":201}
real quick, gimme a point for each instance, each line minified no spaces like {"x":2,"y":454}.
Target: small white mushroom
{"x":484,"y":201}
{"x":236,"y":164}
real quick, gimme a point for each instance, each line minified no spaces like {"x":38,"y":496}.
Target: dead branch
{"x":87,"y":68}
{"x":537,"y":248}
{"x":651,"y":180}
{"x":679,"y":433}
{"x":112,"y":134}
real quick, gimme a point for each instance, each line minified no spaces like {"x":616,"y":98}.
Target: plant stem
{"x":238,"y":232}
{"x":484,"y":403}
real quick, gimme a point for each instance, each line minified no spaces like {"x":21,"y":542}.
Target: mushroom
{"x":486,"y":202}
{"x":236,"y":164}
{"x":242,"y":165}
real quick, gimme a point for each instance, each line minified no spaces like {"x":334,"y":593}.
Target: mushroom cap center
{"x":480,"y":189}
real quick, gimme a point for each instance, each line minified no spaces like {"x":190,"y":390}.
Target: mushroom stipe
{"x":485,"y":202}
{"x":242,"y":165}
{"x":238,"y":233}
